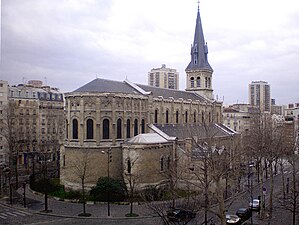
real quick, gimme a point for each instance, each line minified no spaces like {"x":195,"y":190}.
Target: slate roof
{"x":199,"y":49}
{"x":110,"y":86}
{"x":176,"y":94}
{"x":103,"y":85}
{"x":184,"y":131}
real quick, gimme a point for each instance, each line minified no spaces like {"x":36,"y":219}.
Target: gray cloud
{"x":72,"y":41}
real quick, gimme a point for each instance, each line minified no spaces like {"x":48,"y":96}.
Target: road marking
{"x":22,"y":213}
{"x":9,"y":213}
{"x":3,"y":216}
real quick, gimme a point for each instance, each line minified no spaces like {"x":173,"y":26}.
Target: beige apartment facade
{"x":3,"y":106}
{"x":34,"y":126}
{"x":164,"y":77}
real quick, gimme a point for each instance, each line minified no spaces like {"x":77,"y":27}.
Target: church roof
{"x":199,"y":49}
{"x":149,"y":138}
{"x":176,"y":94}
{"x":109,"y":86}
{"x":103,"y":85}
{"x":202,"y":132}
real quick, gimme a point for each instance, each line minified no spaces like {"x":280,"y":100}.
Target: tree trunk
{"x":83,"y":197}
{"x":294,"y":193}
{"x":221,"y":206}
{"x":283,"y":179}
{"x":271,"y":192}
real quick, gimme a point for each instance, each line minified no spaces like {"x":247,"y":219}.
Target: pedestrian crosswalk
{"x":8,"y":213}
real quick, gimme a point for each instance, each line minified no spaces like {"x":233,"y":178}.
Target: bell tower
{"x":199,"y":72}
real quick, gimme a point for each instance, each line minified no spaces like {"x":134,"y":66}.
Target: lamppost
{"x":250,"y":173}
{"x":46,"y":182}
{"x":109,"y":160}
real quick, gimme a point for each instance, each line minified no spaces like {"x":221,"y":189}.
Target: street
{"x":66,"y":212}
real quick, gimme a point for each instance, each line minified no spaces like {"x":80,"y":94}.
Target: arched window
{"x":135,"y":127}
{"x":89,"y":129}
{"x":156,"y":116}
{"x":66,"y":129}
{"x":129,"y":166}
{"x":166,"y":117}
{"x":210,"y":119}
{"x":177,"y":117}
{"x":75,"y":129}
{"x":106,"y":126}
{"x":209,"y":82}
{"x":198,"y":81}
{"x":203,"y":117}
{"x":192,"y":82}
{"x":186,"y":117}
{"x":168,"y":162}
{"x":161,"y":163}
{"x":206,"y":82}
{"x":128,"y":128}
{"x":118,"y":129}
{"x":142,"y":126}
{"x":194,"y":117}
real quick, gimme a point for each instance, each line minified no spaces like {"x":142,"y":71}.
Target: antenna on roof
{"x":46,"y":81}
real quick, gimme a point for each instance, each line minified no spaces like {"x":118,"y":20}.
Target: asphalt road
{"x":17,"y":215}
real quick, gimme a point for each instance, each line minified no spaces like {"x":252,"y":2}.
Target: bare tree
{"x":132,"y":181}
{"x":212,"y":159}
{"x":290,"y":144}
{"x":81,"y":170}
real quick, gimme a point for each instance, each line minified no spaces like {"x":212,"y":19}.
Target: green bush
{"x":152,"y":193}
{"x":105,"y":185}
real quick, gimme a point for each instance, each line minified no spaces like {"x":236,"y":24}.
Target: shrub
{"x":104,"y":185}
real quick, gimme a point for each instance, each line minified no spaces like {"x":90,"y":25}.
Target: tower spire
{"x":199,"y":72}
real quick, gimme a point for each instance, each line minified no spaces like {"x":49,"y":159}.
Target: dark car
{"x":177,"y":215}
{"x":244,"y":213}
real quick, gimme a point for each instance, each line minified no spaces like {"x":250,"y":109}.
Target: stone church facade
{"x":123,"y":129}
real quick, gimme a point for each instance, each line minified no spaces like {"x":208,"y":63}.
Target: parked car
{"x":177,"y":215}
{"x":244,"y":213}
{"x":255,"y":205}
{"x":232,"y":219}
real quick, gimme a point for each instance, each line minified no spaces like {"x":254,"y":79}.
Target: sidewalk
{"x":35,"y":203}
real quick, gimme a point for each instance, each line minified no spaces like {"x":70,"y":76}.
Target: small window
{"x":198,"y":81}
{"x":129,"y":166}
{"x":106,"y":129}
{"x":166,"y":117}
{"x":192,"y":82}
{"x":161,"y":163}
{"x":156,"y":116}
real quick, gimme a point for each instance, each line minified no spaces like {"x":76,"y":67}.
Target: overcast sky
{"x":67,"y":43}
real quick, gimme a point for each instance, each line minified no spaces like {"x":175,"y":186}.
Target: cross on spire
{"x":198,"y":5}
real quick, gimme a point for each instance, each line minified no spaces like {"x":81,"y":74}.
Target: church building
{"x":121,"y":129}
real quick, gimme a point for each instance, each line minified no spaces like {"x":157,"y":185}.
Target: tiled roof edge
{"x":161,"y":133}
{"x":137,"y":88}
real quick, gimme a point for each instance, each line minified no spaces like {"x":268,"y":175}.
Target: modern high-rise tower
{"x":164,"y":77}
{"x":259,"y":95}
{"x":199,"y":72}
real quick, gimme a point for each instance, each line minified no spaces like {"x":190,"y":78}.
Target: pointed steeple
{"x":199,"y":73}
{"x":199,"y":49}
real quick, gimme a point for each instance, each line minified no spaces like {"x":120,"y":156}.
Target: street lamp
{"x":109,"y":160}
{"x":250,"y":173}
